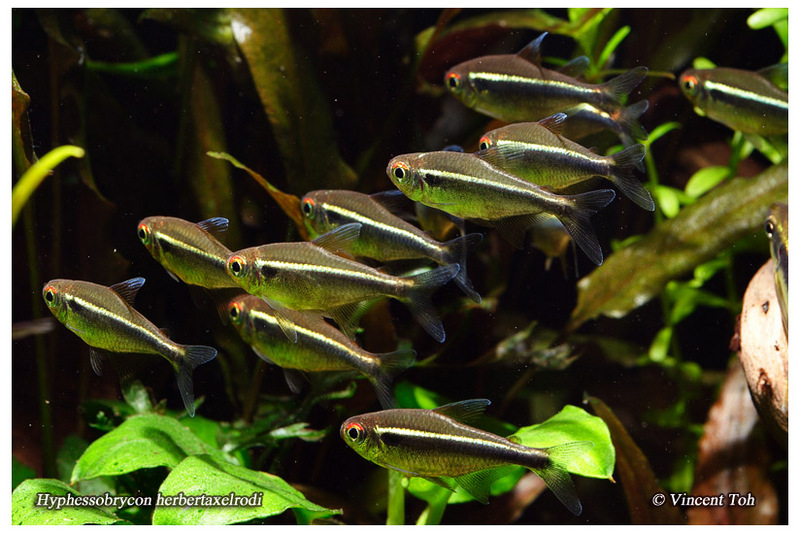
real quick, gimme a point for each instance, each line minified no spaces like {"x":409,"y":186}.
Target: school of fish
{"x":523,"y":176}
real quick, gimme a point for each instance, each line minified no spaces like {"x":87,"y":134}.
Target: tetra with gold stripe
{"x":440,"y":443}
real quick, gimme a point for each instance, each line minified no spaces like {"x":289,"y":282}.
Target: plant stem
{"x":396,"y":511}
{"x":432,"y":515}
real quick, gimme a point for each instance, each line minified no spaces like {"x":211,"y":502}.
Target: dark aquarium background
{"x":323,"y":98}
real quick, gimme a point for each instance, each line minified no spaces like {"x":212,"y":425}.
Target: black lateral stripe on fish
{"x":440,"y":443}
{"x":189,"y":252}
{"x":537,"y":152}
{"x":309,"y":276}
{"x":470,"y":187}
{"x":103,"y":317}
{"x":319,"y":347}
{"x":517,"y":88}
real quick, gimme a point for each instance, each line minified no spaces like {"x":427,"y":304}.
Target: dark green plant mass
{"x":577,"y":275}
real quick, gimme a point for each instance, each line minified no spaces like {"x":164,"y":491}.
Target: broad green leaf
{"x":766,"y":17}
{"x":203,"y":475}
{"x":668,"y":201}
{"x":703,"y":63}
{"x":633,"y":275}
{"x":573,"y":424}
{"x":144,"y":441}
{"x":635,"y":474}
{"x":659,"y":348}
{"x":706,"y":179}
{"x":25,"y":512}
{"x":295,"y":105}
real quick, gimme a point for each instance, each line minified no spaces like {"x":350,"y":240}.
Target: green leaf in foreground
{"x":24,"y":512}
{"x":209,"y":476}
{"x":145,"y":441}
{"x":630,"y":277}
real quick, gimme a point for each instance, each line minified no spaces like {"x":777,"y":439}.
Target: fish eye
{"x":453,"y":81}
{"x":235,"y":313}
{"x":485,"y":143}
{"x":399,"y":171}
{"x":145,"y":234}
{"x":769,"y":227}
{"x":308,"y":207}
{"x":354,"y":432}
{"x":689,"y":83}
{"x":50,"y":296}
{"x":236,"y":266}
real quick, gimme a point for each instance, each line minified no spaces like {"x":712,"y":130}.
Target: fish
{"x":188,"y":251}
{"x":311,"y":276}
{"x":517,"y":88}
{"x":585,"y":119}
{"x":539,"y":153}
{"x":385,"y":236}
{"x":742,"y":100}
{"x":467,"y":186}
{"x":319,"y":347}
{"x":777,"y":229}
{"x":437,"y":443}
{"x":103,"y":317}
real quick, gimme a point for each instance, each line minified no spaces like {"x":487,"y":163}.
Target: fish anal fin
{"x":466,"y":412}
{"x":127,"y":289}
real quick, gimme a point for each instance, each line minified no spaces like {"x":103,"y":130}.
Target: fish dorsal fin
{"x":575,"y":68}
{"x":532,"y":53}
{"x":214,"y":225}
{"x":453,"y":148}
{"x":777,"y":74}
{"x":339,"y":239}
{"x":392,"y":201}
{"x":466,"y":412}
{"x":554,"y":123}
{"x":127,"y":289}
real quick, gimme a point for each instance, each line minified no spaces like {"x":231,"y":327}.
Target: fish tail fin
{"x":619,"y":87}
{"x":419,"y":302}
{"x":624,"y":163}
{"x":578,"y":224}
{"x":389,"y":366}
{"x":193,"y":356}
{"x":456,"y":252}
{"x":556,"y":473}
{"x":628,"y":120}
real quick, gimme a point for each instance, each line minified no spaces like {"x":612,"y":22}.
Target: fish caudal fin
{"x":617,"y":88}
{"x":556,"y":475}
{"x":624,"y":163}
{"x":193,"y":357}
{"x":628,"y":120}
{"x":578,"y":224}
{"x":456,"y":252}
{"x":419,"y":302}
{"x":391,"y":364}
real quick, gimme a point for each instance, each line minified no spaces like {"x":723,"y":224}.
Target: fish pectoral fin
{"x":294,"y":379}
{"x":172,"y":275}
{"x":286,"y":325}
{"x":466,"y":412}
{"x":96,"y":359}
{"x":127,"y":289}
{"x":340,"y":239}
{"x":264,"y":357}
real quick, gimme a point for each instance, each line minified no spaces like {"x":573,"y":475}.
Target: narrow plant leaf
{"x":295,"y":105}
{"x":144,"y":441}
{"x":636,"y":475}
{"x":630,"y":277}
{"x":289,"y":203}
{"x":261,"y":495}
{"x":25,"y":512}
{"x":34,"y":176}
